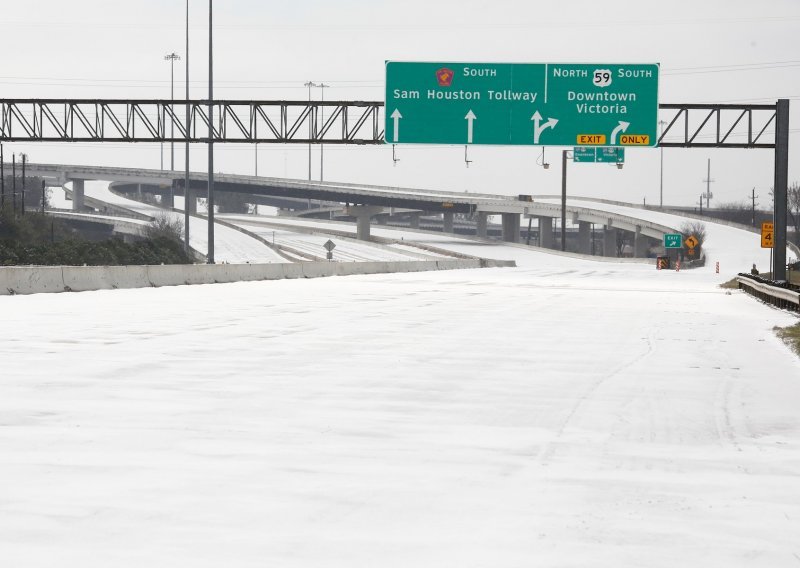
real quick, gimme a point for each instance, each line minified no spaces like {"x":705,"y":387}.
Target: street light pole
{"x":186,"y":192}
{"x":322,"y":121}
{"x":210,"y":257}
{"x":310,"y":84}
{"x":661,"y":191}
{"x":564,"y":200}
{"x":172,"y":58}
{"x":2,"y":180}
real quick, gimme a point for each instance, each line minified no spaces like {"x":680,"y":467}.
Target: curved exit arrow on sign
{"x":622,"y":127}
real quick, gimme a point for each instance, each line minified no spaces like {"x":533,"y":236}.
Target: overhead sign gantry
{"x":547,"y":104}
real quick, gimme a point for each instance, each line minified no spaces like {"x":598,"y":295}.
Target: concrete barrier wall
{"x":41,"y":279}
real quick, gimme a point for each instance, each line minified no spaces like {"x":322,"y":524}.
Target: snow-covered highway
{"x":564,"y":413}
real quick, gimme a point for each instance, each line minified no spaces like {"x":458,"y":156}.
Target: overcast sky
{"x":714,"y":51}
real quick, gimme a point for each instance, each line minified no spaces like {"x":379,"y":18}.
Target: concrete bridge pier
{"x":639,"y":244}
{"x":413,"y":220}
{"x":610,"y":241}
{"x":77,"y":194}
{"x":482,"y":224}
{"x":447,"y":221}
{"x":168,"y":197}
{"x":363,"y":215}
{"x":511,"y":227}
{"x":545,"y":232}
{"x":584,"y":237}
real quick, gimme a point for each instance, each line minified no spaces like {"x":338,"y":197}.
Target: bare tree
{"x":793,"y":208}
{"x":736,"y":211}
{"x":164,"y":226}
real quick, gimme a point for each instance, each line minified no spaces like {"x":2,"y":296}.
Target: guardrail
{"x":767,"y":291}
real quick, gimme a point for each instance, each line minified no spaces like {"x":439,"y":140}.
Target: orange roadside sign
{"x":767,"y":234}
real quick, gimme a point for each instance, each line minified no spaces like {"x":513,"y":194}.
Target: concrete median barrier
{"x":21,"y":279}
{"x":42,"y":279}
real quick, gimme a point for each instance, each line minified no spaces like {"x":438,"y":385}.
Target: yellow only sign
{"x":767,"y":234}
{"x":691,"y":241}
{"x":634,"y":140}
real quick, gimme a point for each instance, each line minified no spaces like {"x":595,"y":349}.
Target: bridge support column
{"x":413,"y":220}
{"x":363,"y":215}
{"x":639,"y":244}
{"x":545,"y":232}
{"x":584,"y":237}
{"x":447,"y":221}
{"x":168,"y":197}
{"x":511,"y":227}
{"x":483,"y":224}
{"x":77,"y":195}
{"x":610,"y":242}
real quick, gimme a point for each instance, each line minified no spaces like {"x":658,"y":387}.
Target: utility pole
{"x":708,"y":181}
{"x":754,"y":206}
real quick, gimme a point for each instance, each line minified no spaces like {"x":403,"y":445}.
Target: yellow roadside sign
{"x":691,"y":241}
{"x":767,"y":234}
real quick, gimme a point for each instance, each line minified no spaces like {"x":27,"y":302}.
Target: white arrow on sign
{"x":396,"y":116}
{"x":538,"y":128}
{"x":622,"y":127}
{"x":470,"y":117}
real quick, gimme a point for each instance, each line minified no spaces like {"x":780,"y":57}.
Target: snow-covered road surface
{"x":230,"y":245}
{"x":567,"y":413}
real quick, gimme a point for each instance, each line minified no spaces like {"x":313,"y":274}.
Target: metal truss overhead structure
{"x":356,"y":122}
{"x":254,"y":122}
{"x":718,"y":126}
{"x":328,"y":122}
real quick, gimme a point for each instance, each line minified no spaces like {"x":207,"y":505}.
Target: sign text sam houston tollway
{"x":548,"y":104}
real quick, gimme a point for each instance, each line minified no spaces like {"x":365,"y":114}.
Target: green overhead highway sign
{"x":603,"y":155}
{"x":584,"y":154}
{"x":673,"y":240}
{"x":546,"y":104}
{"x":611,"y":155}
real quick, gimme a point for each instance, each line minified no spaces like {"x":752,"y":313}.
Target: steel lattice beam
{"x":718,"y":126}
{"x":301,"y":122}
{"x":262,"y":122}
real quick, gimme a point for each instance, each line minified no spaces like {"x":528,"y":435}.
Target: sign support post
{"x":781,"y":189}
{"x":564,"y":200}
